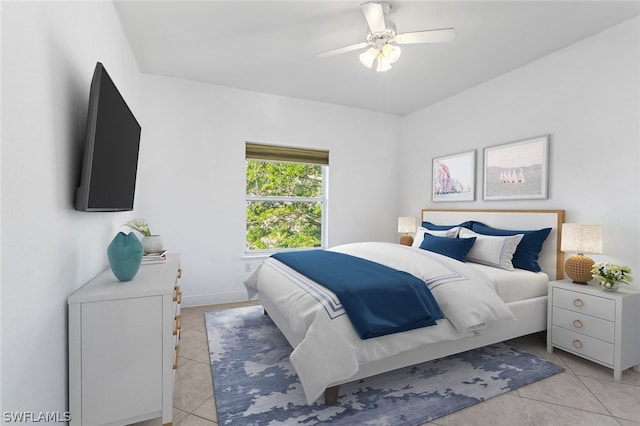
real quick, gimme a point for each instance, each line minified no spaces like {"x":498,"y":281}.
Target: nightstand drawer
{"x":583,"y":345}
{"x":584,"y":324}
{"x":585,"y":303}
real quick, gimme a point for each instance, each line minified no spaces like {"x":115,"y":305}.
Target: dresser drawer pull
{"x":175,"y":363}
{"x":176,"y":290}
{"x":577,"y":323}
{"x":179,"y":272}
{"x":578,"y":303}
{"x":577,"y":344}
{"x":176,"y":328}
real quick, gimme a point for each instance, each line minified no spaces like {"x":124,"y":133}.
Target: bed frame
{"x":531,"y":314}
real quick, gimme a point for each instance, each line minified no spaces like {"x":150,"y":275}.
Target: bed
{"x":328,"y":352}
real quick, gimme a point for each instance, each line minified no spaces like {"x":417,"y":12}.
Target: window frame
{"x":269,"y":156}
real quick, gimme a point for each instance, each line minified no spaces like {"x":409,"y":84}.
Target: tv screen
{"x":110,"y":160}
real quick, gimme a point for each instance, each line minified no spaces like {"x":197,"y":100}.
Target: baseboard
{"x":214,"y":299}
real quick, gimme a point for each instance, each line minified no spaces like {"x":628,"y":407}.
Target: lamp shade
{"x":368,"y":56}
{"x":581,"y":238}
{"x":406,"y":225}
{"x":391,"y":52}
{"x":383,"y":64}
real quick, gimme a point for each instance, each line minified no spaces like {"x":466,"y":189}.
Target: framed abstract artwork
{"x":517,"y":170}
{"x":454,"y":177}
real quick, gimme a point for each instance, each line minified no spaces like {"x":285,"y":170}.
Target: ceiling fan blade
{"x":427,"y":36}
{"x":374,"y":14}
{"x":343,"y":50}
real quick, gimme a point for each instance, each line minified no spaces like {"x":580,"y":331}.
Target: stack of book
{"x":150,"y":258}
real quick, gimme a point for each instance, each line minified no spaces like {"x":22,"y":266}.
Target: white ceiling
{"x":271,"y":46}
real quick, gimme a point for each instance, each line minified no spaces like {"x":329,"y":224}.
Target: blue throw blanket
{"x":377,"y":299}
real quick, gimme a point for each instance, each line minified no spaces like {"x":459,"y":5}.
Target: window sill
{"x":265,"y":254}
{"x":255,"y":256}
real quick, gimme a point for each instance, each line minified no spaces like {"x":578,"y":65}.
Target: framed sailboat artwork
{"x":517,"y":170}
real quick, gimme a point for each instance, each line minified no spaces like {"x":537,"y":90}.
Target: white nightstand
{"x":597,"y":325}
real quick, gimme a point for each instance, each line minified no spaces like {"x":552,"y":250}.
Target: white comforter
{"x":331,"y":352}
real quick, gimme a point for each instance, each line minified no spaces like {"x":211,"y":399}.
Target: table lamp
{"x":580,"y":239}
{"x":406,"y":226}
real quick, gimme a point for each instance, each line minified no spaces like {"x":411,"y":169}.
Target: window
{"x":285,"y":197}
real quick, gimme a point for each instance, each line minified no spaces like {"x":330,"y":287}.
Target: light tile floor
{"x":585,"y":394}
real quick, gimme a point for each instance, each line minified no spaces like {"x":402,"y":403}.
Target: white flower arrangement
{"x":608,"y":274}
{"x":140,"y":225}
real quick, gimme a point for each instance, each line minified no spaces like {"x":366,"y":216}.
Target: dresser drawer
{"x":585,"y":303}
{"x":584,"y":324}
{"x":583,"y":345}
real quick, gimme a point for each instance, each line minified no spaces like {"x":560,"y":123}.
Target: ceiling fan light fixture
{"x":391,"y":52}
{"x":382,"y":40}
{"x":383,"y":63}
{"x":367,"y":57}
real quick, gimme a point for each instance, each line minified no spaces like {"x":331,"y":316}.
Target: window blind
{"x":259,"y":151}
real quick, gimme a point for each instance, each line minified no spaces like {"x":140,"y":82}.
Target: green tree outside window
{"x":284,"y":205}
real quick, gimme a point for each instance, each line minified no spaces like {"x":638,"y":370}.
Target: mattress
{"x":515,"y":285}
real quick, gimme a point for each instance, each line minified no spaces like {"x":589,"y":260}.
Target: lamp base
{"x":406,"y":240}
{"x":578,"y":268}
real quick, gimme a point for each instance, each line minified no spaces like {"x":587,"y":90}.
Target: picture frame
{"x":453,"y":177}
{"x":517,"y":170}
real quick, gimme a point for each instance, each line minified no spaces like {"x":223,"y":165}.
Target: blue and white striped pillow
{"x":492,"y":250}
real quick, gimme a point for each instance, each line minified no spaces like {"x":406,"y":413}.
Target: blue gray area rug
{"x":255,"y":384}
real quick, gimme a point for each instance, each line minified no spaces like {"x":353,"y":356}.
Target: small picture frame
{"x":454,"y":177}
{"x":517,"y":170}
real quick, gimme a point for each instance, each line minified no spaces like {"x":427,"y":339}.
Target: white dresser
{"x":123,"y":346}
{"x":597,"y":325}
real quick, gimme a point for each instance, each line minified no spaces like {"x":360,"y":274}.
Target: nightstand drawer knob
{"x":578,"y":303}
{"x":577,"y":323}
{"x":577,"y":344}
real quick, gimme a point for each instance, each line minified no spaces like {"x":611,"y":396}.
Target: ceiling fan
{"x":382,"y":38}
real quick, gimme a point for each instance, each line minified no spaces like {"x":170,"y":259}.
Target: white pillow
{"x":492,"y":250}
{"x":449,"y":233}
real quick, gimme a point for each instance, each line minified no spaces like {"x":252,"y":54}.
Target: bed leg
{"x":265,"y":312}
{"x":331,"y":395}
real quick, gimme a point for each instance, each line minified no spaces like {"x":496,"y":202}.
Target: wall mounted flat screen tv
{"x":112,"y":141}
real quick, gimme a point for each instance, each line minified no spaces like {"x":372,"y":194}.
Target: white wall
{"x":587,"y":97}
{"x":49,"y":51}
{"x":191,"y":173}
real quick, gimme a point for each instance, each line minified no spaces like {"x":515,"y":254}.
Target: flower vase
{"x":125,"y":256}
{"x":615,"y":286}
{"x":152,"y":244}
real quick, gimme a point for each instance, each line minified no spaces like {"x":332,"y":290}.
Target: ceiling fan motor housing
{"x":379,"y":38}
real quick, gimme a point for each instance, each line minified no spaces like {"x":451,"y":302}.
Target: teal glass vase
{"x":125,"y":256}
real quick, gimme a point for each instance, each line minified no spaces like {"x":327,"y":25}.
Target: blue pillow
{"x":455,"y":248}
{"x":526,"y":255}
{"x":434,"y":227}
